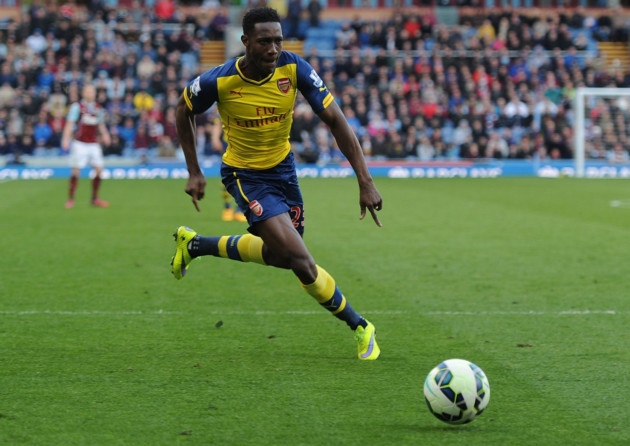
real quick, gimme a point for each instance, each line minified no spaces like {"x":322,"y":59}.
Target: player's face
{"x":262,"y":48}
{"x":89,"y":93}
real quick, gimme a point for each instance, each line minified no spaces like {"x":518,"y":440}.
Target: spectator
{"x":169,"y":124}
{"x":486,"y":32}
{"x":7,"y":94}
{"x":314,"y":9}
{"x":36,"y":41}
{"x":470,"y":150}
{"x":141,"y":140}
{"x":618,"y":154}
{"x":15,"y":123}
{"x":4,"y":145}
{"x":425,"y":150}
{"x":42,"y":131}
{"x":294,"y":15}
{"x":497,"y":146}
{"x":116,"y":146}
{"x":516,"y":111}
{"x":127,"y":132}
{"x":345,"y":35}
{"x":155,"y":130}
{"x":13,"y":144}
{"x":165,"y":10}
{"x":411,"y":142}
{"x":218,"y":25}
{"x":57,"y":122}
{"x":143,"y":101}
{"x":462,"y":133}
{"x":30,"y":106}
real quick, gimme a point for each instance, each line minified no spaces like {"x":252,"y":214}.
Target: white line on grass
{"x":308,"y":313}
{"x":623,"y":203}
{"x":85,"y":313}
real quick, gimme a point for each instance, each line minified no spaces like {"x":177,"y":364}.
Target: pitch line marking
{"x":308,"y":313}
{"x":87,"y":313}
{"x":622,"y":203}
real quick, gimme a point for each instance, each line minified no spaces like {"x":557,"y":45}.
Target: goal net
{"x":602,"y":127}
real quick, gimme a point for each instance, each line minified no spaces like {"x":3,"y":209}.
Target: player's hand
{"x":196,"y":187}
{"x":372,"y":201}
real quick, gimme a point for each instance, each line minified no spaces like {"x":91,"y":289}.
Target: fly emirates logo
{"x":264,"y":116}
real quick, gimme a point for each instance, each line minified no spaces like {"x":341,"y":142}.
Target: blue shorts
{"x":263,"y":194}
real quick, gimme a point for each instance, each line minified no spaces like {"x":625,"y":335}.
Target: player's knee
{"x":302,"y":264}
{"x":305,"y":269}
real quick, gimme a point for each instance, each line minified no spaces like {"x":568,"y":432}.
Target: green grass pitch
{"x":526,"y":277}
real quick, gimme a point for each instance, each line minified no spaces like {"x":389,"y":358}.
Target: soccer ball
{"x":456,"y":391}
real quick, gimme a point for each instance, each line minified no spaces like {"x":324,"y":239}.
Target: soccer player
{"x":86,"y":120}
{"x":255,"y":95}
{"x":231,"y":211}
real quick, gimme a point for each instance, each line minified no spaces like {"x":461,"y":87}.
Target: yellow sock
{"x":323,"y":288}
{"x":329,"y":296}
{"x":246,"y":248}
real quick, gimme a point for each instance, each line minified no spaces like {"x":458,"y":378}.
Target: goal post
{"x":599,"y":112}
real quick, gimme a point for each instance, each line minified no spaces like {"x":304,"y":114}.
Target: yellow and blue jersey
{"x":257,"y":115}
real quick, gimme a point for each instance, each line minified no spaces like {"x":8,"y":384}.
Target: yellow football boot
{"x":366,"y":342}
{"x":182,"y":258}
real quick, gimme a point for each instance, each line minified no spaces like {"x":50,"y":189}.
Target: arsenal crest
{"x":284,"y":85}
{"x":256,"y":208}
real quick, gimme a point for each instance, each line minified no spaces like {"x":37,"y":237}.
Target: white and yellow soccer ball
{"x":456,"y":391}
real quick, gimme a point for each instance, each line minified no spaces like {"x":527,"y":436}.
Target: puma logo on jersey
{"x":237,"y":92}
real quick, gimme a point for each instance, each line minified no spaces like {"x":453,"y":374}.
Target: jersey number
{"x":297,"y":217}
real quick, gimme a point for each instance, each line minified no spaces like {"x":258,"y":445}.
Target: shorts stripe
{"x":240,"y":188}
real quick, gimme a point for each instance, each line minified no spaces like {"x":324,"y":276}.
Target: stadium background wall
{"x":389,"y":169}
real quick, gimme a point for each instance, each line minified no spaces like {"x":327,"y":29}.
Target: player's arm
{"x":197,"y":97}
{"x":186,"y":132}
{"x":71,"y":119}
{"x":102,"y":128}
{"x":321,"y":100}
{"x":349,"y":145}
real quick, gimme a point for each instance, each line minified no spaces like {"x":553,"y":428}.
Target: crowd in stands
{"x":499,"y":85}
{"x":494,"y":86}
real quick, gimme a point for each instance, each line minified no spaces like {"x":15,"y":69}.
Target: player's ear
{"x":244,"y":39}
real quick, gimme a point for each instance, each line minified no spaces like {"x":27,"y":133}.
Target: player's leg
{"x":276,"y":216}
{"x":228,"y":212}
{"x":283,"y":247}
{"x":190,"y":245}
{"x":231,"y":210}
{"x":78,"y":160}
{"x":97,"y":162}
{"x":239,"y":214}
{"x":96,"y":185}
{"x":72,"y":186}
